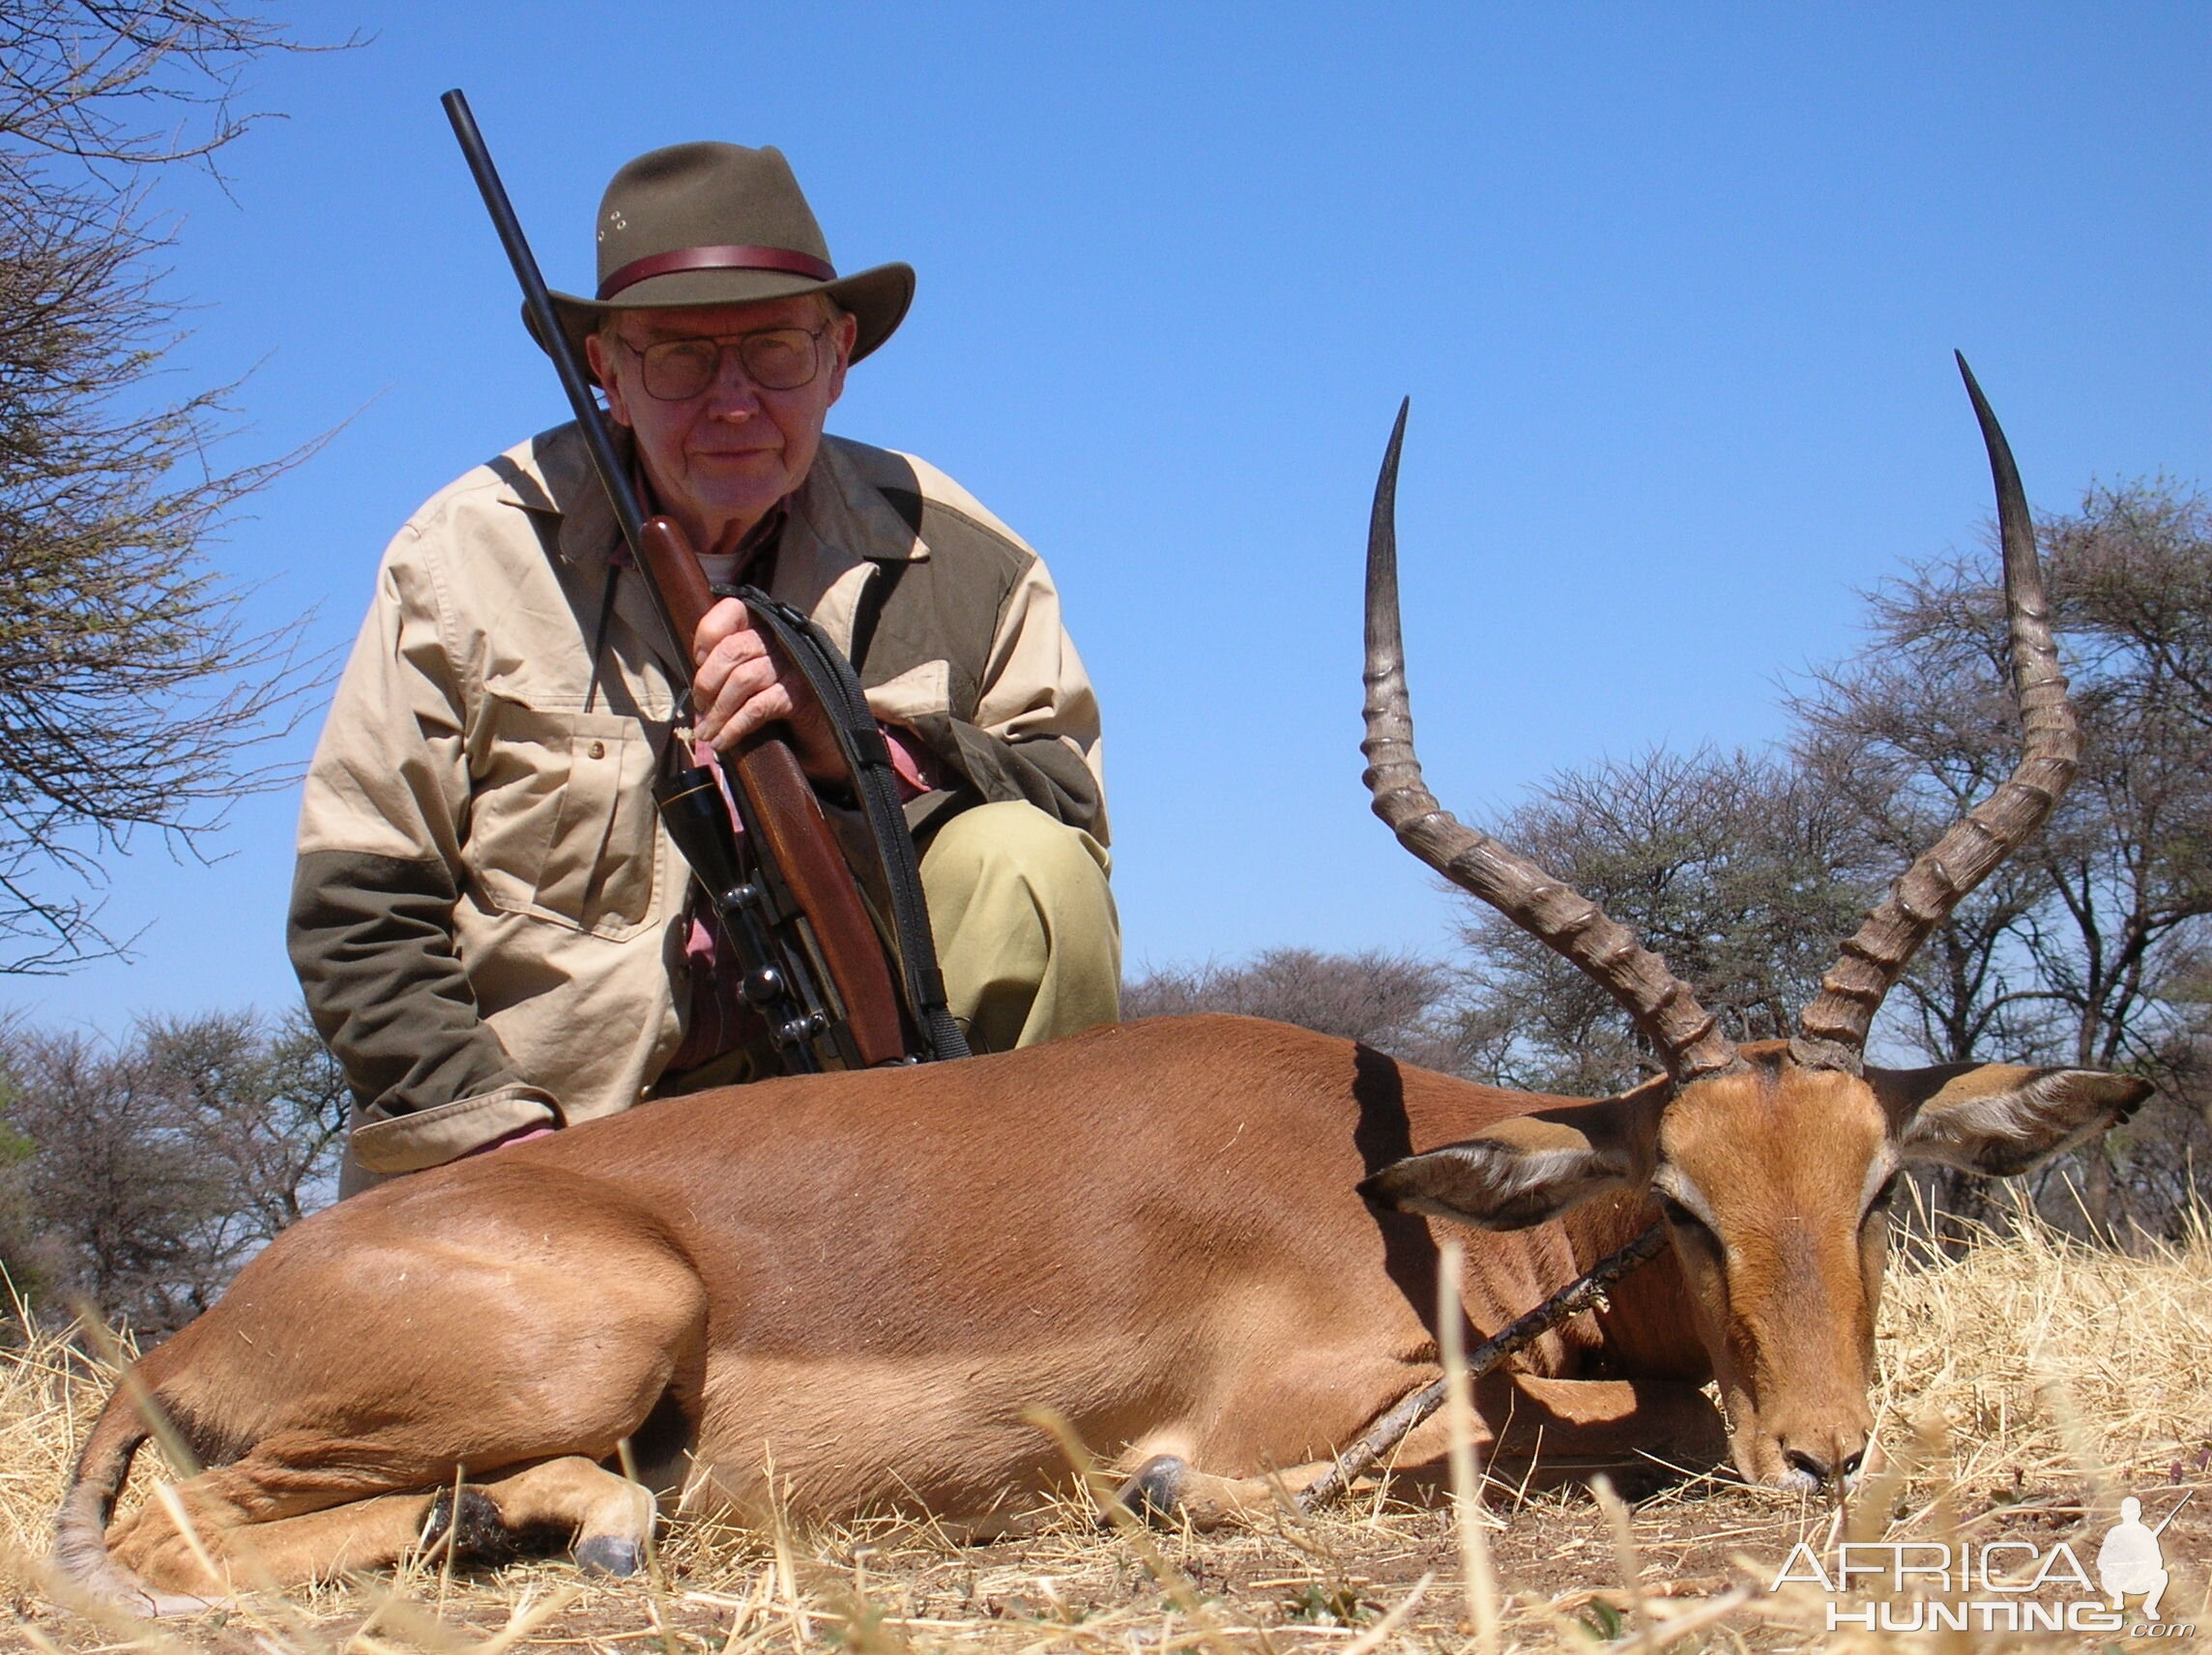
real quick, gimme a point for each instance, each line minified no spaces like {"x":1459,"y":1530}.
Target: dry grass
{"x":2027,"y":1386}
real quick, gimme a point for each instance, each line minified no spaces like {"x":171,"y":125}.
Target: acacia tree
{"x":140,"y":1175}
{"x":2088,"y":949}
{"x":2091,"y":946}
{"x":131,"y":688}
{"x":265,"y":1105}
{"x":1397,"y":1003}
{"x":1738,"y":870}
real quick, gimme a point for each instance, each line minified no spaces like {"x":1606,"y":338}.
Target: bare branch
{"x":132,"y":692}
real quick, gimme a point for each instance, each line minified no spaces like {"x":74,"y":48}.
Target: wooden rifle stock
{"x":788,"y":817}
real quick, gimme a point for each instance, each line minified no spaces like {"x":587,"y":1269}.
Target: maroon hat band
{"x":716,"y":258}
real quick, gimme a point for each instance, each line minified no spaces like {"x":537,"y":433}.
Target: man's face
{"x":722,"y":459}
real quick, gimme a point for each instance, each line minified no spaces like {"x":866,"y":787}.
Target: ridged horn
{"x":1663,"y":1007}
{"x":1833,"y":1027}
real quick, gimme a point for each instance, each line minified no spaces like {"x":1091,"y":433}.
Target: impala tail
{"x":80,"y":1529}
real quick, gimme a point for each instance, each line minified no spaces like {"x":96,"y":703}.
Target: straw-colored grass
{"x":2026,"y":1387}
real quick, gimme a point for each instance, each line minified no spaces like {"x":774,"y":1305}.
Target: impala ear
{"x":1528,"y":1170}
{"x":1999,"y":1118}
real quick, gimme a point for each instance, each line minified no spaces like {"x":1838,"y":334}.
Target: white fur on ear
{"x":2000,"y":1132}
{"x":1496,"y":1186}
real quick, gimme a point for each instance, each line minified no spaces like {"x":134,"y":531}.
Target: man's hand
{"x":737,"y":691}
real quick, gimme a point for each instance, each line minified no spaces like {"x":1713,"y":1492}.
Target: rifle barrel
{"x":2175,"y":1513}
{"x":537,"y":303}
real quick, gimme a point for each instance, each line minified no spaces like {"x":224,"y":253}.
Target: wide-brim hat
{"x":711,"y":224}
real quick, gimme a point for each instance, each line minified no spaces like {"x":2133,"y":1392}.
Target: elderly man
{"x":492,"y":931}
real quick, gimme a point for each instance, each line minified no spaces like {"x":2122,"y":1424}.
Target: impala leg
{"x":1557,"y":1431}
{"x":605,"y":1520}
{"x":1543,"y":1433}
{"x":273,"y":1519}
{"x":1170,"y":1491}
{"x":313,"y":1533}
{"x":521,"y":1368}
{"x":1538,"y":1429}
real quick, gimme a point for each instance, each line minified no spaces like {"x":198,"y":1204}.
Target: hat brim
{"x":876,"y":298}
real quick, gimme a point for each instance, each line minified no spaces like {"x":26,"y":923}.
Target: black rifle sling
{"x":875,"y":790}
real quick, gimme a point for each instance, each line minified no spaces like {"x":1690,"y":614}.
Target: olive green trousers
{"x":1026,"y":934}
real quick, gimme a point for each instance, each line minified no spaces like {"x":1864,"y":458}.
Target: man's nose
{"x":733,"y":392}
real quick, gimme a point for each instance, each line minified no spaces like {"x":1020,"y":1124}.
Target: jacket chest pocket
{"x":562,"y":825}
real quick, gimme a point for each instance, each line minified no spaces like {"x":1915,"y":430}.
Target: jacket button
{"x":598,"y":749}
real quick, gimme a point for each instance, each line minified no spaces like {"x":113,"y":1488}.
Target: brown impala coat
{"x":865,"y":1280}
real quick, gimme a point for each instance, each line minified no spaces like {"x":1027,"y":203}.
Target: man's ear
{"x":600,"y":360}
{"x":1531,"y":1169}
{"x":1999,"y":1118}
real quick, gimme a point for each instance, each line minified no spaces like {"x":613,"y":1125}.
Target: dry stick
{"x":800,"y":1621}
{"x":1476,"y":1577}
{"x":1935,"y":1444}
{"x":173,"y":1503}
{"x":1386,"y":1433}
{"x":1617,"y":1518}
{"x":758,"y":1599}
{"x":525,"y":1618}
{"x":1672,"y":1628}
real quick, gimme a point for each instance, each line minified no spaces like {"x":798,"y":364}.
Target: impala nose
{"x":1826,"y":1469}
{"x":1811,"y":1465}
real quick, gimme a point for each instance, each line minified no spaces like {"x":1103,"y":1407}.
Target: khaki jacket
{"x":486,"y":915}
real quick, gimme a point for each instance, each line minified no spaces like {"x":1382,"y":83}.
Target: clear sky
{"x":1673,"y":290}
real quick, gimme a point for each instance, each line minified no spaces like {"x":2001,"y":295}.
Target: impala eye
{"x":1879,"y":1208}
{"x":1686,"y":1221}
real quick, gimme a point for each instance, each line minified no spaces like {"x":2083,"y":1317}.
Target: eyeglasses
{"x":775,"y":358}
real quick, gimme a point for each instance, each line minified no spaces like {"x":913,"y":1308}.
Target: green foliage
{"x":1605,"y":1622}
{"x":1329,"y":1605}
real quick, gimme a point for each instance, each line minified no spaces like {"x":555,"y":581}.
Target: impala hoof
{"x":1156,"y":1493}
{"x":607,"y":1555}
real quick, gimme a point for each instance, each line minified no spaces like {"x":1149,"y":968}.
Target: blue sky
{"x":1674,"y":292}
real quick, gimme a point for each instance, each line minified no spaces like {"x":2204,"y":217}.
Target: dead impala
{"x":1208,"y":1242}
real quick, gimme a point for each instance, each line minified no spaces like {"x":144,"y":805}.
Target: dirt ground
{"x":1321,"y":1585}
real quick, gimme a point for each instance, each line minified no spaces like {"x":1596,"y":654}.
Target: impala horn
{"x":1833,"y":1027}
{"x":1665,"y":1010}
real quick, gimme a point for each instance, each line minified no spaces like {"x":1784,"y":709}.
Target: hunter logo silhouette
{"x":2129,"y":1562}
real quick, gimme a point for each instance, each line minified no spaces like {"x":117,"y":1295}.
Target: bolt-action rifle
{"x":829,"y":929}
